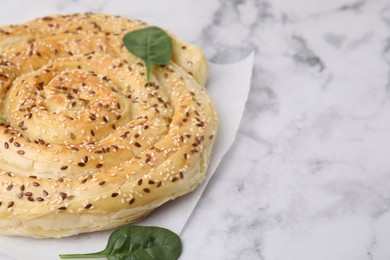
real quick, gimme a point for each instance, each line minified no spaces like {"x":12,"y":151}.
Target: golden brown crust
{"x":87,"y":140}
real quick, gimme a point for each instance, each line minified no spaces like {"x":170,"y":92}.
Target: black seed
{"x":92,"y":117}
{"x":63,"y":195}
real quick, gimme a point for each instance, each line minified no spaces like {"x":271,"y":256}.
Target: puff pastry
{"x":87,"y":144}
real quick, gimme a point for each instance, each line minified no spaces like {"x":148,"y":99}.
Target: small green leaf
{"x":152,"y":45}
{"x":2,"y":120}
{"x":138,"y":243}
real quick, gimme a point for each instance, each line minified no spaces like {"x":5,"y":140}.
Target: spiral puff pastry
{"x":87,"y":144}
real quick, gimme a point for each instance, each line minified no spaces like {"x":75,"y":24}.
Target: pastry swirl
{"x":88,"y":145}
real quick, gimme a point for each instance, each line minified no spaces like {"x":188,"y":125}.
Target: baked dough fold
{"x":87,"y":144}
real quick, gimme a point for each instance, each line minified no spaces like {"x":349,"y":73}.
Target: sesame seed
{"x":63,"y":168}
{"x":36,"y":184}
{"x":21,"y":152}
{"x":10,"y":204}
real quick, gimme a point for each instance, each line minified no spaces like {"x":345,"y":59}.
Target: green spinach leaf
{"x":152,"y":45}
{"x":138,"y":243}
{"x":2,"y":120}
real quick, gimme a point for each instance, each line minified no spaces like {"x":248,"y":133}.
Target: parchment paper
{"x":228,"y":85}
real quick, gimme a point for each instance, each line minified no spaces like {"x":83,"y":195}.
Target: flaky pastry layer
{"x":88,"y":145}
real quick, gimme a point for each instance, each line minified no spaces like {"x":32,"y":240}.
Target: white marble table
{"x":309,"y":174}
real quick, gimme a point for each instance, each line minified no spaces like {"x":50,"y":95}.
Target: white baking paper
{"x":228,"y":86}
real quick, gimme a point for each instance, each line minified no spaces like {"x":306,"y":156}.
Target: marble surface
{"x":308,"y":176}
